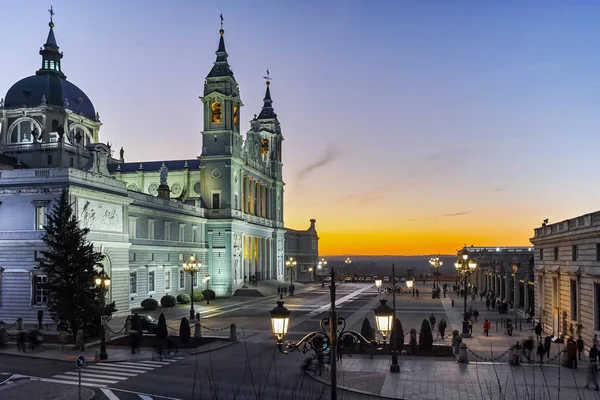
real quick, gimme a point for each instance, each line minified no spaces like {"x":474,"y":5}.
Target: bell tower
{"x":222,"y":103}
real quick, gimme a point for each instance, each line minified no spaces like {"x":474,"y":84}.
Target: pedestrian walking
{"x":21,"y":341}
{"x":593,"y":375}
{"x":486,"y":327}
{"x":442,"y":328}
{"x":476,"y":314}
{"x":432,"y":321}
{"x":547,"y":345}
{"x":528,"y":349}
{"x":538,"y":332}
{"x":470,"y":326}
{"x":417,"y":293}
{"x":541,"y":351}
{"x":579,"y":347}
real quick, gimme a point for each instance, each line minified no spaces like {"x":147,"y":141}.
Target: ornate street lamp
{"x":102,"y":281}
{"x":435,"y":263}
{"x":384,"y":319}
{"x":291,"y":263}
{"x":465,"y":267}
{"x":378,"y":283}
{"x":333,"y":331}
{"x":348,"y":262}
{"x":322,"y":265}
{"x":207,"y":281}
{"x":410,"y":283}
{"x":192,"y":267}
{"x":310,"y":270}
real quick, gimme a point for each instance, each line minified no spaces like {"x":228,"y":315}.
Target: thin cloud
{"x":330,"y":155}
{"x":499,"y":189}
{"x":457,"y":214}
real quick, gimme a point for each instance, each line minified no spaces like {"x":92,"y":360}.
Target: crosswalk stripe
{"x":157,"y":363}
{"x":84,"y":379}
{"x":73,"y":382}
{"x":180,"y":358}
{"x":109,"y":394}
{"x":84,"y":375}
{"x":110,"y":371}
{"x":144,"y":397}
{"x":137,"y":365}
{"x":116,"y":368}
{"x":169,"y":360}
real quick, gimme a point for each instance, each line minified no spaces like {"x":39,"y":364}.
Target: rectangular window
{"x":235,"y":201}
{"x":556,"y":254}
{"x":151,"y":281}
{"x":40,"y":217}
{"x":168,"y":279}
{"x":216,"y":200}
{"x":182,"y":232}
{"x":181,"y":279}
{"x":574,"y":305}
{"x":150,"y":229}
{"x":597,"y":251}
{"x":132,"y":227}
{"x":49,"y":159}
{"x":195,"y":280}
{"x":541,"y":254}
{"x":167,"y":231}
{"x":132,"y":282}
{"x":194,"y":230}
{"x":71,"y":162}
{"x":574,"y":252}
{"x":40,"y":292}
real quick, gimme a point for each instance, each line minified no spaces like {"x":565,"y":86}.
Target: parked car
{"x":403,"y":279}
{"x":327,"y":279}
{"x":368,"y":279}
{"x":361,"y":278}
{"x":386,"y":279}
{"x":348,"y":279}
{"x":354,"y":279}
{"x":149,"y":323}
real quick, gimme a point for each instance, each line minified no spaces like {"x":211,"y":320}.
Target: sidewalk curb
{"x":346,"y":388}
{"x":227,"y":344}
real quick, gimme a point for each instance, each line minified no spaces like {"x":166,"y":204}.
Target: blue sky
{"x":410,"y":126}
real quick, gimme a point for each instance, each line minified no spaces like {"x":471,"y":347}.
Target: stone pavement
{"x":26,"y":389}
{"x":428,"y":379}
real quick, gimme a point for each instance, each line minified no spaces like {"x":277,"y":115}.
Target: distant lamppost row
{"x":102,"y":281}
{"x":291,"y":263}
{"x":332,"y":335}
{"x":515,"y":268}
{"x":192,"y":267}
{"x":465,"y":267}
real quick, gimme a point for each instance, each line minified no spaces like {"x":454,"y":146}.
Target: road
{"x":253,"y":368}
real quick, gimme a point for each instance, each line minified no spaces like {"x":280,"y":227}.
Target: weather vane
{"x":221,"y":19}
{"x":268,"y":78}
{"x":51,"y":11}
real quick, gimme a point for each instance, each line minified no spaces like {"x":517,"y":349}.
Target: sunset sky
{"x":411,"y":127}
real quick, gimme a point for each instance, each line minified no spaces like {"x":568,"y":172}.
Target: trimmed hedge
{"x":184,"y":330}
{"x":183,"y":298}
{"x":209,"y":294}
{"x":168,"y":301}
{"x":149,"y":304}
{"x":198,"y":297}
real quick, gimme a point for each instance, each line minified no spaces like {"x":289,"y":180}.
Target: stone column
{"x":243,"y":196}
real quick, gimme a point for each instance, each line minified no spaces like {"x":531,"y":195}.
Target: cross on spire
{"x":268,"y":78}
{"x":221,"y":19}
{"x":51,"y":11}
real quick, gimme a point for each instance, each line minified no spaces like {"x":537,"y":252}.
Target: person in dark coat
{"x":538,"y":332}
{"x":593,"y":375}
{"x":579,"y":347}
{"x":541,"y":351}
{"x":547,"y":345}
{"x":572,"y":353}
{"x":442,"y":328}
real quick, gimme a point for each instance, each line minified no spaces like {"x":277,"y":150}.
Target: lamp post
{"x":394,"y":367}
{"x":102,"y":281}
{"x":310,"y":271}
{"x":333,"y":331}
{"x":291,"y":263}
{"x":378,"y":283}
{"x":348,"y":262}
{"x":436,"y":263}
{"x":515,"y":268}
{"x":322,"y":265}
{"x":207,"y":281}
{"x":192,"y":267}
{"x":465,"y":267}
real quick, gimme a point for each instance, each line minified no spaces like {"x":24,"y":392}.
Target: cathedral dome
{"x":53,"y":89}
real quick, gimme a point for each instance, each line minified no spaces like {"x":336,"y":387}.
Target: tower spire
{"x":267,"y":110}
{"x":50,"y":55}
{"x":221,"y":66}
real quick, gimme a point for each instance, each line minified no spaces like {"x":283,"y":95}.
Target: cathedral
{"x":224,"y":207}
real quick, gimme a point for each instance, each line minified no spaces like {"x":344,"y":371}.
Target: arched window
{"x":54,"y":125}
{"x":51,"y":64}
{"x":45,"y":64}
{"x":217,"y":112}
{"x":21,"y":132}
{"x":79,"y":135}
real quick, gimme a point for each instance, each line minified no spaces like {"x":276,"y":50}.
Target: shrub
{"x":209,"y":294}
{"x":198,"y":297}
{"x":425,"y":337}
{"x":183,"y":298}
{"x":161,"y":329}
{"x":366,"y":329}
{"x":149,"y":304}
{"x":184,"y":330}
{"x":167,"y":301}
{"x":399,"y":335}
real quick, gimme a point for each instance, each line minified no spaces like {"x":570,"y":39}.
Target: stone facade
{"x":507,"y":272}
{"x":302,"y":246}
{"x":225,"y":207}
{"x":567,"y":276}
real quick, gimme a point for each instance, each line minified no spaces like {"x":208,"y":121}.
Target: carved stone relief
{"x":99,"y":216}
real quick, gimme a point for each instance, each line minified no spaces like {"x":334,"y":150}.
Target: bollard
{"x":197,"y":331}
{"x":462,"y":354}
{"x":232,"y":333}
{"x":127,"y":326}
{"x":20,"y":323}
{"x":106,"y":334}
{"x":455,"y":337}
{"x":198,"y":316}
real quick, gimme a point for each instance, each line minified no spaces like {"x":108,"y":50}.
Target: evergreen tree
{"x":69,"y":262}
{"x":399,"y":332}
{"x":184,"y":330}
{"x":161,"y":329}
{"x":425,"y":337}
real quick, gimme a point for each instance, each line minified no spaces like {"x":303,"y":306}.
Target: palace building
{"x":224,"y":206}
